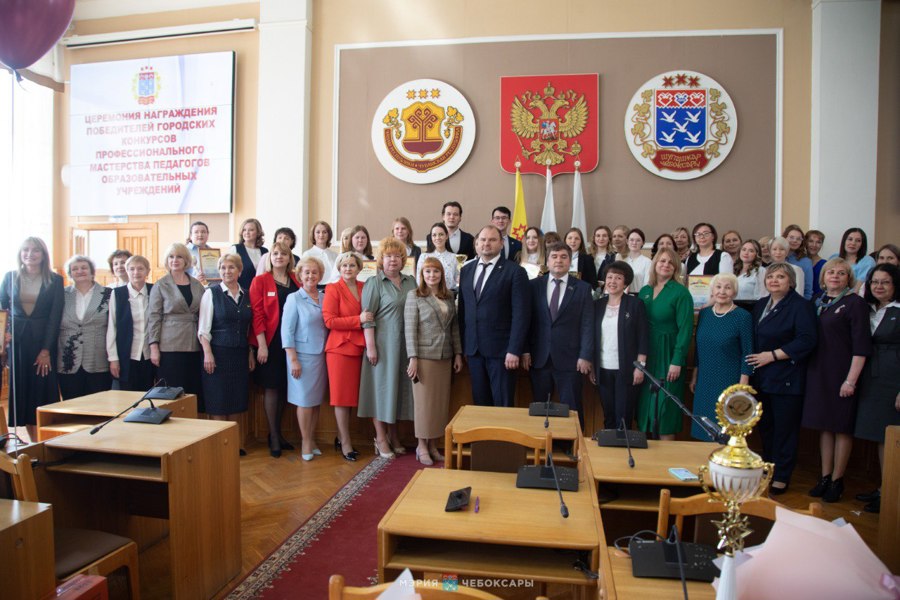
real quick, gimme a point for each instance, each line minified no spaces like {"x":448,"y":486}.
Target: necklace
{"x":718,"y":316}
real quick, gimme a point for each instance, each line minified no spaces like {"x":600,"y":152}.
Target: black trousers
{"x":492,"y":383}
{"x":567,"y":384}
{"x":780,"y":431}
{"x":141,"y":376}
{"x":81,"y":383}
{"x":617,"y":396}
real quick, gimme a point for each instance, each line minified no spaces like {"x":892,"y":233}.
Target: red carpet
{"x":339,"y":538}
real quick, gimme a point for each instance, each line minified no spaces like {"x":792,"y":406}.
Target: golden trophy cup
{"x":734,"y":475}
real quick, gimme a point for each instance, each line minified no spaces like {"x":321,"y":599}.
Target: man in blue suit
{"x":493,"y":318}
{"x":500,"y":218}
{"x":560,"y":344}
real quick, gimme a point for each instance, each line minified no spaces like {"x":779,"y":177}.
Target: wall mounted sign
{"x":549,"y":120}
{"x":423,"y":131}
{"x":681,"y":125}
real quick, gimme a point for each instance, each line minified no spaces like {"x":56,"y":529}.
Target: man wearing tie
{"x":459,"y":241}
{"x":560,"y":344}
{"x":493,"y":320}
{"x":500,"y":218}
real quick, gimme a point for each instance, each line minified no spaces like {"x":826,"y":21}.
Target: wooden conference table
{"x":76,"y":414}
{"x":638,"y":489}
{"x":470,"y":416}
{"x":26,"y":548}
{"x":517,"y":534}
{"x":180,"y":479}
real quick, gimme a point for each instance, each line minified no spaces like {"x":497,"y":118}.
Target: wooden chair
{"x":491,"y":433}
{"x":77,"y":551}
{"x":700,"y":504}
{"x":338,"y":591}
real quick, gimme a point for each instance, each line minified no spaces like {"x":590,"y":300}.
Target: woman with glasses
{"x":707,"y":260}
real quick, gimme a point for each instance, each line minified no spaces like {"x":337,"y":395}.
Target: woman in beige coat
{"x":432,"y":342}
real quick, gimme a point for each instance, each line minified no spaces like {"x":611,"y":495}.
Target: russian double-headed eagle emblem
{"x":423,"y":131}
{"x":681,"y":125}
{"x":551,"y":122}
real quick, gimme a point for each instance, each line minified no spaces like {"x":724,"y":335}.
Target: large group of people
{"x":818,"y":339}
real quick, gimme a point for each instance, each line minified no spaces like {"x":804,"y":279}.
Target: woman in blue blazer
{"x":784,"y":335}
{"x":620,"y":322}
{"x":303,"y":336}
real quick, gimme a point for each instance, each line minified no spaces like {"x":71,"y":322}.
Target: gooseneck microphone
{"x":627,"y":444}
{"x":563,"y":509}
{"x":108,"y":421}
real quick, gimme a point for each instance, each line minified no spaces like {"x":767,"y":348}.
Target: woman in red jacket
{"x":344,"y":349}
{"x":268,"y":293}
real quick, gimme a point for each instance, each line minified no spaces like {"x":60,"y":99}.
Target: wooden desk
{"x":629,"y":587}
{"x":143,"y":481}
{"x":517,"y":533}
{"x":26,"y":548}
{"x":637,"y":489}
{"x":471,"y":416}
{"x":68,"y":416}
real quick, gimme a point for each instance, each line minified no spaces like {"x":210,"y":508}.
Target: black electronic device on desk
{"x":621,"y":438}
{"x":542,"y":477}
{"x":652,"y":558}
{"x":164,"y":393}
{"x":548,"y":409}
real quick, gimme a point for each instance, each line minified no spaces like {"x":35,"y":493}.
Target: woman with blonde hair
{"x":797,"y":257}
{"x":320,"y":234}
{"x":433,"y":346}
{"x":345,"y":239}
{"x":127,"y":347}
{"x":385,"y":391}
{"x":724,"y":337}
{"x":751,"y":275}
{"x":250,"y":248}
{"x":532,"y":256}
{"x":223,"y":331}
{"x":268,"y":294}
{"x":670,"y":312}
{"x":845,"y":341}
{"x":33,"y":295}
{"x":303,"y":336}
{"x":812,"y":242}
{"x":344,"y":317}
{"x":600,"y":248}
{"x":682,"y":238}
{"x":778,"y":252}
{"x":619,"y":241}
{"x":174,"y":316}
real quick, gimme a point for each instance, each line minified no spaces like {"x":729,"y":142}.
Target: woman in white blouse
{"x":127,"y":341}
{"x":225,"y":317}
{"x":750,"y":272}
{"x":531,"y":256}
{"x":321,"y":235}
{"x":639,"y":263}
{"x":437,"y":248}
{"x":707,"y":260}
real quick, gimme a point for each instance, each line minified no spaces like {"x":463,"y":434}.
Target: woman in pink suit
{"x":344,"y":348}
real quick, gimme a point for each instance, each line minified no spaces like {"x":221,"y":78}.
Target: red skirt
{"x":343,"y":378}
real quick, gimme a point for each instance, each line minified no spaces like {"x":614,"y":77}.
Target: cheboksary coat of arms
{"x":423,"y":131}
{"x":680,"y":125}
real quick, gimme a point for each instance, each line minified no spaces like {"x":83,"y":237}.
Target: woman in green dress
{"x":670,"y":311}
{"x":385,"y":390}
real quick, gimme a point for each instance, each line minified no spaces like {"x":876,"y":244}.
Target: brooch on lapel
{"x":627,"y":315}
{"x":839,"y":309}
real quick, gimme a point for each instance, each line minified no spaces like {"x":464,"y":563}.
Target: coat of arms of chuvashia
{"x":681,"y":125}
{"x":549,"y":120}
{"x":423,"y":131}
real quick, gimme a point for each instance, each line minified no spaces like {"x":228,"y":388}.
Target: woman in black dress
{"x":268,"y":293}
{"x":225,"y":317}
{"x":833,"y":374}
{"x":879,"y":392}
{"x":33,"y":294}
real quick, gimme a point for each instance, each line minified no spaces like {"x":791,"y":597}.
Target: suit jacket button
{"x":788,"y":384}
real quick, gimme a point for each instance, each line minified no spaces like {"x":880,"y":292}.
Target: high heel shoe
{"x":397,"y":449}
{"x":274,"y":452}
{"x":424,"y":458}
{"x":351,"y":456}
{"x":436,"y":454}
{"x":307,"y":457}
{"x":378,"y":451}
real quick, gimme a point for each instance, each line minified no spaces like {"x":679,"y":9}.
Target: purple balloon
{"x":30,"y":28}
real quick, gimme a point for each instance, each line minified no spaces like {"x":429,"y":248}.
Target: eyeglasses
{"x":881,"y":282}
{"x":703,"y":234}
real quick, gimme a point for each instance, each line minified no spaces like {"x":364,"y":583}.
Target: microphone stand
{"x":627,"y":444}
{"x":108,"y":421}
{"x":703,"y":422}
{"x":547,"y":412}
{"x":563,"y":509}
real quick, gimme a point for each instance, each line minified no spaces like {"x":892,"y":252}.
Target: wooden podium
{"x":180,"y":479}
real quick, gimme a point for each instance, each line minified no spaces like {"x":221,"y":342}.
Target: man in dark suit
{"x":493,"y":319}
{"x":500,"y":218}
{"x":459,"y":241}
{"x":561,"y":337}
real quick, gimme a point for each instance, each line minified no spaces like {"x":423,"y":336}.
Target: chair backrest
{"x":338,"y":591}
{"x":701,"y":504}
{"x":494,"y":433}
{"x":19,"y":470}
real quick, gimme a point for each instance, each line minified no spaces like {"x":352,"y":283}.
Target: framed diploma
{"x":698,"y":286}
{"x":209,"y":263}
{"x":370,"y":267}
{"x":410,"y":267}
